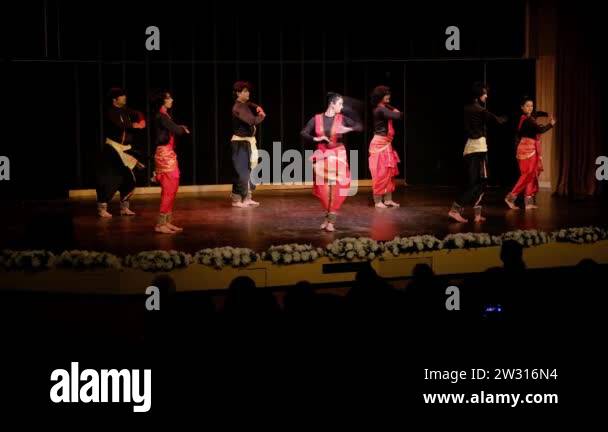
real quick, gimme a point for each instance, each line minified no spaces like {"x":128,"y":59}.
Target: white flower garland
{"x":420,"y":243}
{"x":580,"y":235}
{"x":292,"y":253}
{"x":83,"y":260}
{"x":350,"y":248}
{"x":219,"y":257}
{"x":527,"y":238}
{"x":158,"y":260}
{"x":469,"y":241}
{"x":30,"y":260}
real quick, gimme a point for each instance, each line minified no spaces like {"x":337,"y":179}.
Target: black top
{"x":119,"y":122}
{"x":244,"y":120}
{"x":309,"y":132}
{"x":164,"y":127}
{"x":530,"y":127}
{"x":382,"y":115}
{"x":475,"y":117}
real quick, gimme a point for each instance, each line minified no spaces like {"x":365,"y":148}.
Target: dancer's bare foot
{"x":511,"y":203}
{"x":239,"y":204}
{"x":457,"y":216}
{"x":127,"y":212}
{"x":529,"y":202}
{"x":391,"y":203}
{"x":251,"y":203}
{"x":104,"y":214}
{"x":479,"y":219}
{"x":380,"y":205}
{"x":324,"y":224}
{"x":164,"y":229}
{"x":330,"y":227}
{"x":174,"y":227}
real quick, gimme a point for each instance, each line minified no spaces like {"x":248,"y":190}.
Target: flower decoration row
{"x":345,"y":249}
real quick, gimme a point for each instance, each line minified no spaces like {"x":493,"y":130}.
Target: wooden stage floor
{"x":285,"y":216}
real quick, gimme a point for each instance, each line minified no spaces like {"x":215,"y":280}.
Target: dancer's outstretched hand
{"x":343,"y":130}
{"x":186,"y":129}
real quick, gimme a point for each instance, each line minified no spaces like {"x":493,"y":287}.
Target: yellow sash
{"x":253,"y":160}
{"x":128,"y":160}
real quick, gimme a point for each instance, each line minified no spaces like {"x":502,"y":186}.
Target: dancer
{"x":529,"y":155}
{"x":383,"y":159}
{"x":117,"y":161}
{"x":166,"y":166}
{"x":475,"y":155}
{"x":243,"y":144}
{"x":330,"y":164}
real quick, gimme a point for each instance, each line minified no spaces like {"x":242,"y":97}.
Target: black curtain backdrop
{"x":65,"y":57}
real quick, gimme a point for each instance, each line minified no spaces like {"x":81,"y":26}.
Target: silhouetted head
{"x":300,"y":297}
{"x":422,"y":273}
{"x":367,"y":276}
{"x":167,"y":289}
{"x":588,"y":266}
{"x":511,"y":254}
{"x":241,"y":285}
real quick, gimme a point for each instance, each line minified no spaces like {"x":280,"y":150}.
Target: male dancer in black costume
{"x":475,"y":154}
{"x":117,"y":160}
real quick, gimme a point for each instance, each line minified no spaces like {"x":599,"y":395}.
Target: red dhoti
{"x":167,"y":174}
{"x":331,"y":181}
{"x":383,"y":160}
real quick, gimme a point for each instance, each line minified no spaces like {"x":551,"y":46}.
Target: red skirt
{"x":167,"y":174}
{"x":383,"y":160}
{"x":528,"y":178}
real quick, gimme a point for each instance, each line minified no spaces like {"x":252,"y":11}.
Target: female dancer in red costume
{"x":383,"y":159}
{"x":529,"y":155}
{"x":331,"y":180}
{"x":166,"y":167}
